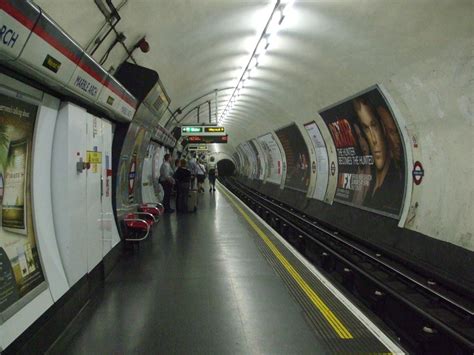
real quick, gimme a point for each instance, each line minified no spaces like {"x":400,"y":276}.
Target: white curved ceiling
{"x":325,"y":50}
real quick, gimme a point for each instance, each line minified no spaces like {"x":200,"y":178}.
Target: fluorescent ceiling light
{"x":253,"y":63}
{"x":288,"y":5}
{"x":274,"y":23}
{"x":280,"y":10}
{"x":261,"y":47}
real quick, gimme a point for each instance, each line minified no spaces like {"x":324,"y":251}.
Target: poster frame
{"x":400,"y":121}
{"x":403,"y":206}
{"x":247,"y":148}
{"x":311,"y":157}
{"x":261,"y":158}
{"x":314,"y":177}
{"x":15,"y":307}
{"x":283,"y":159}
{"x":285,"y":168}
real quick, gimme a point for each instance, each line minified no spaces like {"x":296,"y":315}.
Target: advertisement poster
{"x":297,"y":158}
{"x":273,"y":159}
{"x":370,"y":153}
{"x":243,"y":161}
{"x":260,"y":171}
{"x":252,"y":160}
{"x":20,"y":268}
{"x":130,"y":164}
{"x":236,"y":158}
{"x":322,"y":161}
{"x":245,"y":171}
{"x":136,"y":164}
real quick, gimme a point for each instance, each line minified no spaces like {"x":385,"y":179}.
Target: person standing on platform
{"x":176,"y":165}
{"x":212,"y":174}
{"x":201,"y":175}
{"x":175,"y":168}
{"x":167,"y":181}
{"x":183,"y":180}
{"x":192,"y":166}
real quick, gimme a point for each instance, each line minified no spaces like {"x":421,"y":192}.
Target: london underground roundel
{"x":418,"y":173}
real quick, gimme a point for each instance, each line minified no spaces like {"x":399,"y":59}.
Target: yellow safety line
{"x":335,"y":323}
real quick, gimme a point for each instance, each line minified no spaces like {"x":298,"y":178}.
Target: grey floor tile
{"x":200,"y":286}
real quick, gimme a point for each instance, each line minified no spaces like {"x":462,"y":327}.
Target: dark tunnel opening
{"x":225,"y":167}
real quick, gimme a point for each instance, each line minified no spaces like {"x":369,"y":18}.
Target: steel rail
{"x":373,"y":258}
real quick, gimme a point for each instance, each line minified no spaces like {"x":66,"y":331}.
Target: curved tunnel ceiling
{"x":324,"y":51}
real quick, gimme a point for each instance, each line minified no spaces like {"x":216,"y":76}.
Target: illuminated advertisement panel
{"x":252,"y":160}
{"x":273,"y":159}
{"x":245,"y":170}
{"x":370,"y":153}
{"x":236,"y":158}
{"x":20,"y":268}
{"x":297,"y":158}
{"x":322,"y":161}
{"x":260,"y":163}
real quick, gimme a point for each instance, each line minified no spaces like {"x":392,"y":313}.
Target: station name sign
{"x":202,"y":131}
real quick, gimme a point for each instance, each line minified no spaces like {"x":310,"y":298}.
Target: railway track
{"x":428,"y":318}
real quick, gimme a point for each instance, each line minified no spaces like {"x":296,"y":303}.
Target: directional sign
{"x":202,"y":131}
{"x":191,"y":130}
{"x":214,"y":129}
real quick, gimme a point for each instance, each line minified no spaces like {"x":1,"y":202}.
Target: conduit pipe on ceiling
{"x":115,"y":12}
{"x":180,"y":110}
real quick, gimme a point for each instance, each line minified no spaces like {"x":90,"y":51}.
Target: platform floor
{"x":205,"y":285}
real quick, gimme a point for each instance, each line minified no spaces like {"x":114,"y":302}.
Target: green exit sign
{"x":191,"y":129}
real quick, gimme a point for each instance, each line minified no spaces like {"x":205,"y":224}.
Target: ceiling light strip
{"x":275,"y":20}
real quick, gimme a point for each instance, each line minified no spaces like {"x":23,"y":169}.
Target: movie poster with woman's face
{"x":297,"y":158}
{"x":370,"y":153}
{"x":20,"y":268}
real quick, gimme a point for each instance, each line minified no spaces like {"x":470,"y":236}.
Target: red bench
{"x":156,"y":209}
{"x":137,"y":226}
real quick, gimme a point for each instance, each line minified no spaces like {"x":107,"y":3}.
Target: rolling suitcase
{"x":192,"y":201}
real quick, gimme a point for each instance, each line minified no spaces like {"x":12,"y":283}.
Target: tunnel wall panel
{"x":433,"y":96}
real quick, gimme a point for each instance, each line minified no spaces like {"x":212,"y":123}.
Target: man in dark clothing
{"x":183,"y":181}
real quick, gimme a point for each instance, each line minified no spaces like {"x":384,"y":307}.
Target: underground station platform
{"x":221,"y":281}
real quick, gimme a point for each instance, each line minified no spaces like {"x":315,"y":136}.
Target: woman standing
{"x":201,"y":175}
{"x":212,"y":174}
